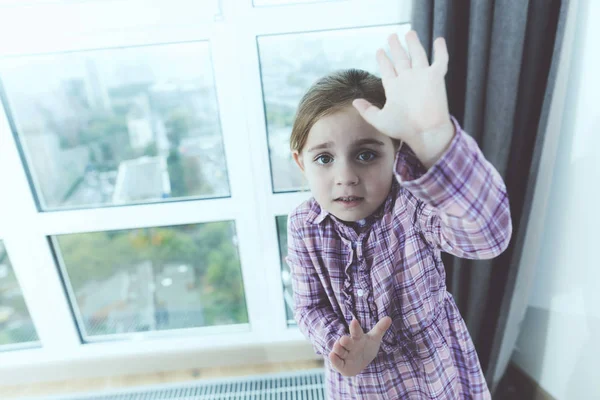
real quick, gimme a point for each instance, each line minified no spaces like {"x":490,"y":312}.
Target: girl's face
{"x":348,"y":165}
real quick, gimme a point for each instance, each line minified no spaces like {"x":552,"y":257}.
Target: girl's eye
{"x":367,"y":156}
{"x":324,"y":159}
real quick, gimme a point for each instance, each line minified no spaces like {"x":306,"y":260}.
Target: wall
{"x":559,"y":341}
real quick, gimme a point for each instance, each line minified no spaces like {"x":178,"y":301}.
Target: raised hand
{"x":416,"y":108}
{"x":351,"y":354}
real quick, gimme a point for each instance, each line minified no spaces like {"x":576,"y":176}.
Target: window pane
{"x":290,"y":64}
{"x":154,"y":279}
{"x":119,"y":126}
{"x":258,"y":3}
{"x":15,"y":322}
{"x":285,"y":270}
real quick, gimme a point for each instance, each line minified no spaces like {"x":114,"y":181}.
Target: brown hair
{"x":331,"y":94}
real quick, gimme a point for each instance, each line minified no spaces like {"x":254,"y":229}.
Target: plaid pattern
{"x":391,"y":266}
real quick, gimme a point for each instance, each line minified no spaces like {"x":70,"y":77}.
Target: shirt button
{"x":360,"y":292}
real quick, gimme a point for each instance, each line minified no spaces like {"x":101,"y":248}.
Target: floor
{"x":514,"y":385}
{"x":86,"y":385}
{"x":517,"y":385}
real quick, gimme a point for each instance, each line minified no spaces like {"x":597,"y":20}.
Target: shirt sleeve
{"x":460,"y":204}
{"x":312,"y":310}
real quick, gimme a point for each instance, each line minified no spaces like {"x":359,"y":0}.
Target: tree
{"x":129,"y":90}
{"x":223,"y":291}
{"x":225,"y":288}
{"x":103,"y":127}
{"x":176,"y":173}
{"x":178,"y":125}
{"x":151,"y":150}
{"x":195,"y":181}
{"x":172,"y":245}
{"x":9,"y":282}
{"x":185,"y":173}
{"x":110,"y":135}
{"x":279,"y":115}
{"x":282,"y":234}
{"x":207,"y":248}
{"x":95,"y":256}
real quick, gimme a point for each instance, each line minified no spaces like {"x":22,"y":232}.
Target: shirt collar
{"x":316,"y":215}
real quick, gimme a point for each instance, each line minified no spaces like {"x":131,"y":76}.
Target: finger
{"x":340,"y":350}
{"x":418,"y":56}
{"x":386,"y":68}
{"x":399,"y":56}
{"x":440,"y":55}
{"x":336,"y":361}
{"x":368,"y":111}
{"x":346,"y":342}
{"x":356,"y":331}
{"x":381,"y":328}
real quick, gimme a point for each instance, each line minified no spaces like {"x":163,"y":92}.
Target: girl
{"x":395,"y":181}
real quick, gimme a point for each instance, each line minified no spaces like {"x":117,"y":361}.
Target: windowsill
{"x":72,"y":386}
{"x":125,"y":358}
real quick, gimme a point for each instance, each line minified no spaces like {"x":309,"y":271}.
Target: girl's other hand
{"x":351,"y":354}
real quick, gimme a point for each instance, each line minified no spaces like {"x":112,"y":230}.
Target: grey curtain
{"x":499,"y":82}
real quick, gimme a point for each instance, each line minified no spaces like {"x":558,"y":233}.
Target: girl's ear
{"x":299,"y":160}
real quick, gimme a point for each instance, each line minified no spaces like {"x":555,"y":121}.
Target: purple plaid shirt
{"x":390,"y":265}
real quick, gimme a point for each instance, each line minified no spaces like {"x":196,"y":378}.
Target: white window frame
{"x":252,"y":205}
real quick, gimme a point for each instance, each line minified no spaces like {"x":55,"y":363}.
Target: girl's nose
{"x":347,"y":176}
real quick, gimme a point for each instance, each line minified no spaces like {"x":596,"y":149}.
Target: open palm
{"x":351,"y":354}
{"x":415,"y":91}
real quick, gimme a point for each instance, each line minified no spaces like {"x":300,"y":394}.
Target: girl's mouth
{"x":349,"y":201}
